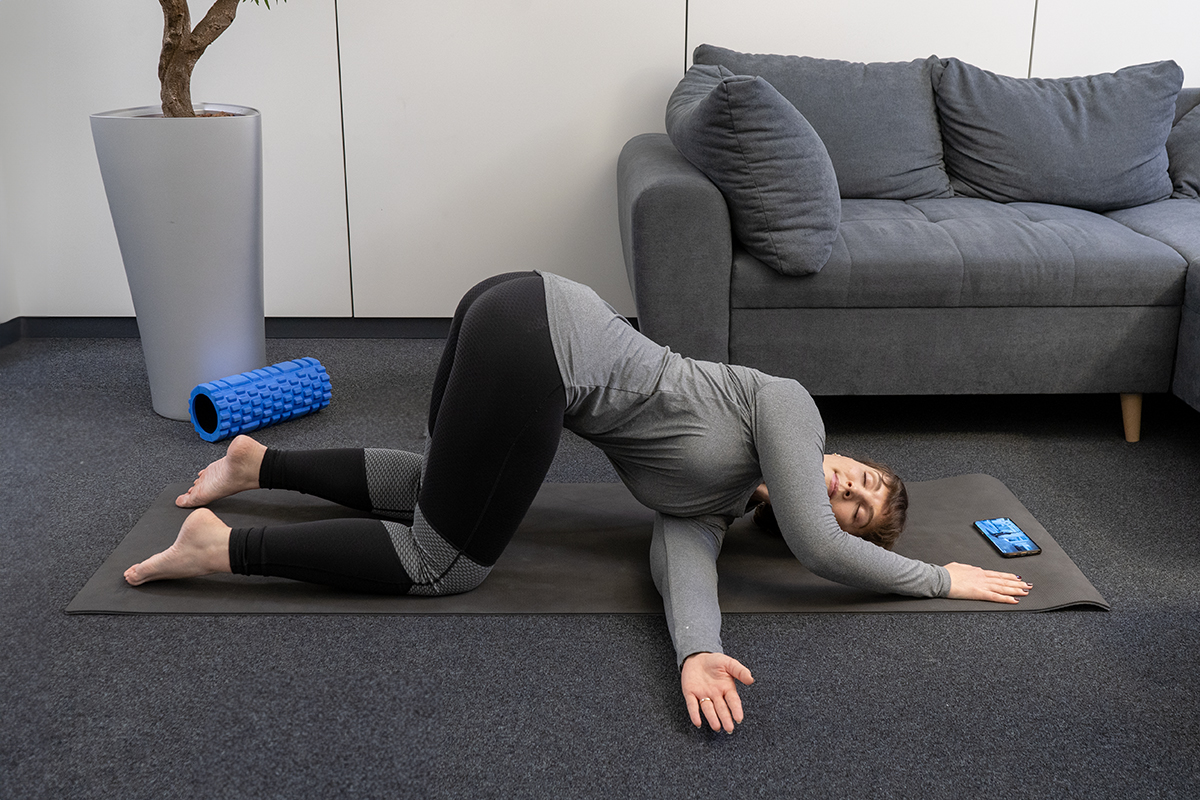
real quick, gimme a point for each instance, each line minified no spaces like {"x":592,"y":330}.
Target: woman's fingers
{"x":1008,"y":585}
{"x":716,"y":712}
{"x":721,"y":712}
{"x":709,"y":707}
{"x":693,"y":706}
{"x":735,"y":706}
{"x":973,"y":583}
{"x":738,"y":671}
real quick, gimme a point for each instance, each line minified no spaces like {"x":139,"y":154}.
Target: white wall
{"x":993,"y":34}
{"x":1082,"y":37}
{"x":10,"y":308}
{"x":284,"y":62}
{"x":61,"y":61}
{"x":479,"y":137}
{"x":63,"y":255}
{"x":483,"y":138}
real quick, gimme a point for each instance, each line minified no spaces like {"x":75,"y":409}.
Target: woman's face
{"x":856,"y":492}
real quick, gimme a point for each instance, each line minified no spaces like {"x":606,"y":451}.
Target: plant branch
{"x":177,"y":25}
{"x":218,"y":18}
{"x":182,"y":48}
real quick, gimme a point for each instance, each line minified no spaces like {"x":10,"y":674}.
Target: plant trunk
{"x":182,"y":47}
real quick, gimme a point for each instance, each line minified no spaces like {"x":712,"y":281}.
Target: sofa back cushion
{"x":1183,"y":146}
{"x":1096,"y":142}
{"x":766,"y":159}
{"x":877,"y":120}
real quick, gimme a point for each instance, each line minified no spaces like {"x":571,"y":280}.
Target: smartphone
{"x":1007,"y":537}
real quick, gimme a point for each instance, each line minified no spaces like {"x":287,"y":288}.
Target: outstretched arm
{"x":683,"y":561}
{"x":790,"y":440}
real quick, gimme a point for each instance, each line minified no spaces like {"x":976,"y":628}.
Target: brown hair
{"x":887,"y":527}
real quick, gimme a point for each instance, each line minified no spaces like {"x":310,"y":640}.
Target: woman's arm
{"x":683,"y":561}
{"x":790,"y":439}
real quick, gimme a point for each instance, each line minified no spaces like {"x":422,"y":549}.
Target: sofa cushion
{"x":965,"y":252}
{"x":1174,"y":222}
{"x":877,"y":120}
{"x":766,"y":159}
{"x":1096,"y":142}
{"x":1183,"y":150}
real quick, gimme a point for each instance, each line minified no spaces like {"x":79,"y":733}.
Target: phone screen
{"x":1007,"y":537}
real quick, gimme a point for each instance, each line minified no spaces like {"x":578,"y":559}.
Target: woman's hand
{"x":709,"y":688}
{"x":973,"y":583}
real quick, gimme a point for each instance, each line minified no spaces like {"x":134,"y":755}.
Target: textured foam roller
{"x":242,"y":403}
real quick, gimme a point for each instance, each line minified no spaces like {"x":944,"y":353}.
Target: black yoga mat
{"x":583,"y":548}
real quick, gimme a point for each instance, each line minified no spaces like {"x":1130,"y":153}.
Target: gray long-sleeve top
{"x":692,"y":440}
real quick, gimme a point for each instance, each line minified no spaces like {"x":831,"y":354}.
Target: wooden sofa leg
{"x":1131,"y":415}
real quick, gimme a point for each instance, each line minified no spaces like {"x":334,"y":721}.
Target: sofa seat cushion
{"x":1177,"y":223}
{"x":966,"y":252}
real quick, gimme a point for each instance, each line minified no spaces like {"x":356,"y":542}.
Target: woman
{"x":528,"y":354}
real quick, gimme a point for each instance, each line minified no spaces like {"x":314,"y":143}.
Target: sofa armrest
{"x":675,"y":234}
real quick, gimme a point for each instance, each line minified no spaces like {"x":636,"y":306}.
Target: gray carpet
{"x":582,"y":548}
{"x":1064,"y":704}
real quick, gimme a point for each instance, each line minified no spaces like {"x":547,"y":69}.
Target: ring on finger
{"x":705,"y":699}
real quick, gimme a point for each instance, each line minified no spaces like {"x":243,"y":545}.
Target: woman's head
{"x":868,"y":499}
{"x":889,"y":520}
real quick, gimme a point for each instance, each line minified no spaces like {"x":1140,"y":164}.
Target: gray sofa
{"x":982,"y":234}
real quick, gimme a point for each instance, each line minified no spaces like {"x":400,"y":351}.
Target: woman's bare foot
{"x":201,"y":548}
{"x":236,"y":472}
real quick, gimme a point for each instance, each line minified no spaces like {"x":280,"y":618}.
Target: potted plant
{"x":184,"y":185}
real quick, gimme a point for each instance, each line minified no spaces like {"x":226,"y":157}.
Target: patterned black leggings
{"x":495,"y":419}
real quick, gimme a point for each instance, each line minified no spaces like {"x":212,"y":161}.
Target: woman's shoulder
{"x":784,"y":402}
{"x":773,"y":386}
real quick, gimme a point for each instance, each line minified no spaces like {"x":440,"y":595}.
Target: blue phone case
{"x":1007,"y":537}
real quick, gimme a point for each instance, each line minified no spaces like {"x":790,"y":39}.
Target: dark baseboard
{"x":78,"y":327}
{"x":10,"y":332}
{"x":277,"y":328}
{"x":358,"y":327}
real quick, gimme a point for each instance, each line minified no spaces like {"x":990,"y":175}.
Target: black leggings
{"x":495,"y":419}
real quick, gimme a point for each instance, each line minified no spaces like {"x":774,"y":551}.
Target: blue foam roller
{"x":252,"y":400}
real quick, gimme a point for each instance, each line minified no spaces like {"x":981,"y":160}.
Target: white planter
{"x":186,"y":202}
